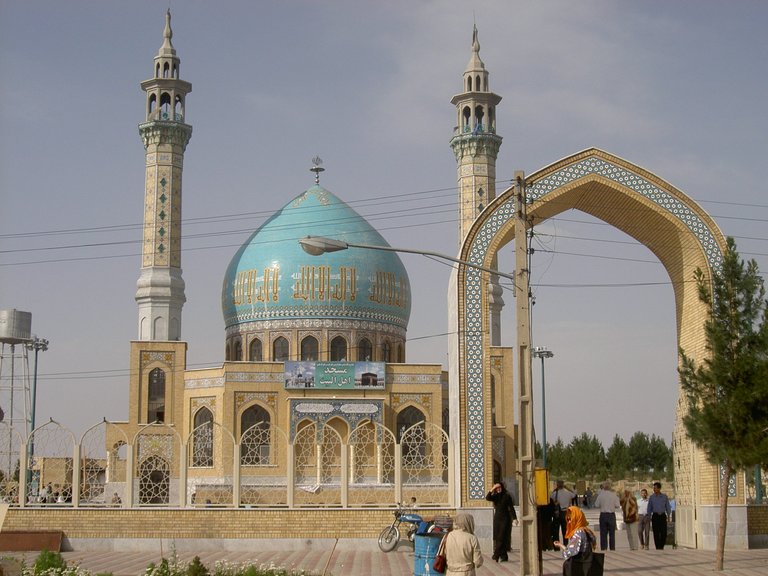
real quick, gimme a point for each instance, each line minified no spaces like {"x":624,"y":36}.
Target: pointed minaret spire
{"x":474,"y":62}
{"x":160,"y":288}
{"x":476,"y":147}
{"x":167,"y":48}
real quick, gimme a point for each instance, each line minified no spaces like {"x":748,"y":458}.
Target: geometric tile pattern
{"x":638,"y":184}
{"x":474,"y":349}
{"x":473,"y":288}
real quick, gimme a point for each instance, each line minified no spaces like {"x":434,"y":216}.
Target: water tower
{"x":16,"y":413}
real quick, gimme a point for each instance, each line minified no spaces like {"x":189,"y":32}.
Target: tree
{"x":660,"y":456}
{"x":617,"y":458}
{"x":640,"y":454}
{"x":587,"y":457}
{"x":726,"y":390}
{"x":557,"y":458}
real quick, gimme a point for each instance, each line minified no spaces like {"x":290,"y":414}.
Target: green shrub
{"x":196,"y":568}
{"x":49,"y":561}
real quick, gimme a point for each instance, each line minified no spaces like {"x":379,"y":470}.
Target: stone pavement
{"x":361,"y":557}
{"x":365,"y":561}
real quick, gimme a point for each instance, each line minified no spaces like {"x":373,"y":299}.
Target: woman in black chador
{"x":503,"y":517}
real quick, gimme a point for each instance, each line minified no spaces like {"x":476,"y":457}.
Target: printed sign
{"x":335,"y":375}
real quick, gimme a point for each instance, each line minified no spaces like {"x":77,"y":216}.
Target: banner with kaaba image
{"x":335,"y":375}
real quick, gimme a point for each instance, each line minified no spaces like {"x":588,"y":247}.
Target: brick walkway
{"x":356,"y":562}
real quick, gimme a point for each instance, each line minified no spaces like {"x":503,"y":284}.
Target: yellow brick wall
{"x":757,"y":520}
{"x":206,"y":523}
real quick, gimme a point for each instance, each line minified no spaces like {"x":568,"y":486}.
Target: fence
{"x":210,"y":467}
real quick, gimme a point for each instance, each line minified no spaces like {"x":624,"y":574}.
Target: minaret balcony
{"x":469,"y":130}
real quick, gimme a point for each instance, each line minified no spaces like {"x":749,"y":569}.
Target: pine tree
{"x":727,"y":391}
{"x":617,"y":457}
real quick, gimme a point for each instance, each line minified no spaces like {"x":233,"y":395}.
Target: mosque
{"x":315,"y":403}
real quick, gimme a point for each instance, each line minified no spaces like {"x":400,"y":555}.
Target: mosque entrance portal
{"x":671,"y":225}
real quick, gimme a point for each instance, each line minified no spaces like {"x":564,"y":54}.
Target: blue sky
{"x":678,"y":88}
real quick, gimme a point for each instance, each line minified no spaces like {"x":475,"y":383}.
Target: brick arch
{"x":658,"y":215}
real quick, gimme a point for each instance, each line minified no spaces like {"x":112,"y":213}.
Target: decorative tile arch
{"x":495,"y":227}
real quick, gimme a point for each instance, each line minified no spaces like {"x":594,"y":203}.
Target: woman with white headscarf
{"x":462,"y":548}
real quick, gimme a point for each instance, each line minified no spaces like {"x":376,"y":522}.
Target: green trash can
{"x":424,"y":552}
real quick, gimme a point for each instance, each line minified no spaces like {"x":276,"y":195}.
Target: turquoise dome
{"x":271,"y":277}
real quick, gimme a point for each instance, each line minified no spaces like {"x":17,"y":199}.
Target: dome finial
{"x":317,"y":167}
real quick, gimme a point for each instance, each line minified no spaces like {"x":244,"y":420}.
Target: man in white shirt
{"x":607,"y":501}
{"x":643,"y":519}
{"x":562,"y":498}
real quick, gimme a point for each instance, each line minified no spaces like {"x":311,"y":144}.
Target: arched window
{"x":309,"y":348}
{"x":413,"y":446}
{"x":255,"y":353}
{"x":280,"y":350}
{"x":338,"y":349}
{"x":202,"y":438}
{"x":469,"y":84}
{"x":165,"y":106}
{"x":479,"y":117}
{"x":400,"y":353}
{"x":406,"y":418}
{"x":157,"y":70}
{"x":166,"y":68}
{"x":466,"y":114}
{"x":477,"y":83}
{"x":178,"y":109}
{"x":152,"y":106}
{"x":364,"y":350}
{"x":227,"y":353}
{"x":254,"y":436}
{"x":238,"y":351}
{"x":386,"y":351}
{"x":156,"y":396}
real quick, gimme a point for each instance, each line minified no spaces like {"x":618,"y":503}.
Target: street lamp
{"x":542,"y":352}
{"x":318,"y":245}
{"x":38,"y":345}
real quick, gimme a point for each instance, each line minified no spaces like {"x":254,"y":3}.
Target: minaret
{"x":160,"y":288}
{"x":476,"y":146}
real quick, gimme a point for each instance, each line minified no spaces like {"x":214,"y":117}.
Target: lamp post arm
{"x":436,"y":255}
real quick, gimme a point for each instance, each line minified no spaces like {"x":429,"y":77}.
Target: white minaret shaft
{"x":160,"y":288}
{"x":476,"y":147}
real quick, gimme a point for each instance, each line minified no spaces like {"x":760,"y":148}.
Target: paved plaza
{"x":362,"y":557}
{"x":348,"y":559}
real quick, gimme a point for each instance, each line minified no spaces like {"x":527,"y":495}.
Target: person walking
{"x":607,"y":501}
{"x":504,"y":516}
{"x":629,"y":513}
{"x":562,"y":499}
{"x":462,"y":548}
{"x":581,"y":541}
{"x":660,"y":512}
{"x":643,"y":520}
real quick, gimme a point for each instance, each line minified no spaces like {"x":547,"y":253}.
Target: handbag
{"x":598,"y":563}
{"x":588,"y":563}
{"x":441,"y":563}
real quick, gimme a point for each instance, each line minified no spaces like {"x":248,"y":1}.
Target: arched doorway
{"x":680,"y":234}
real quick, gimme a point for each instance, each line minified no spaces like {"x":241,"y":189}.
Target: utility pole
{"x":530,"y":564}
